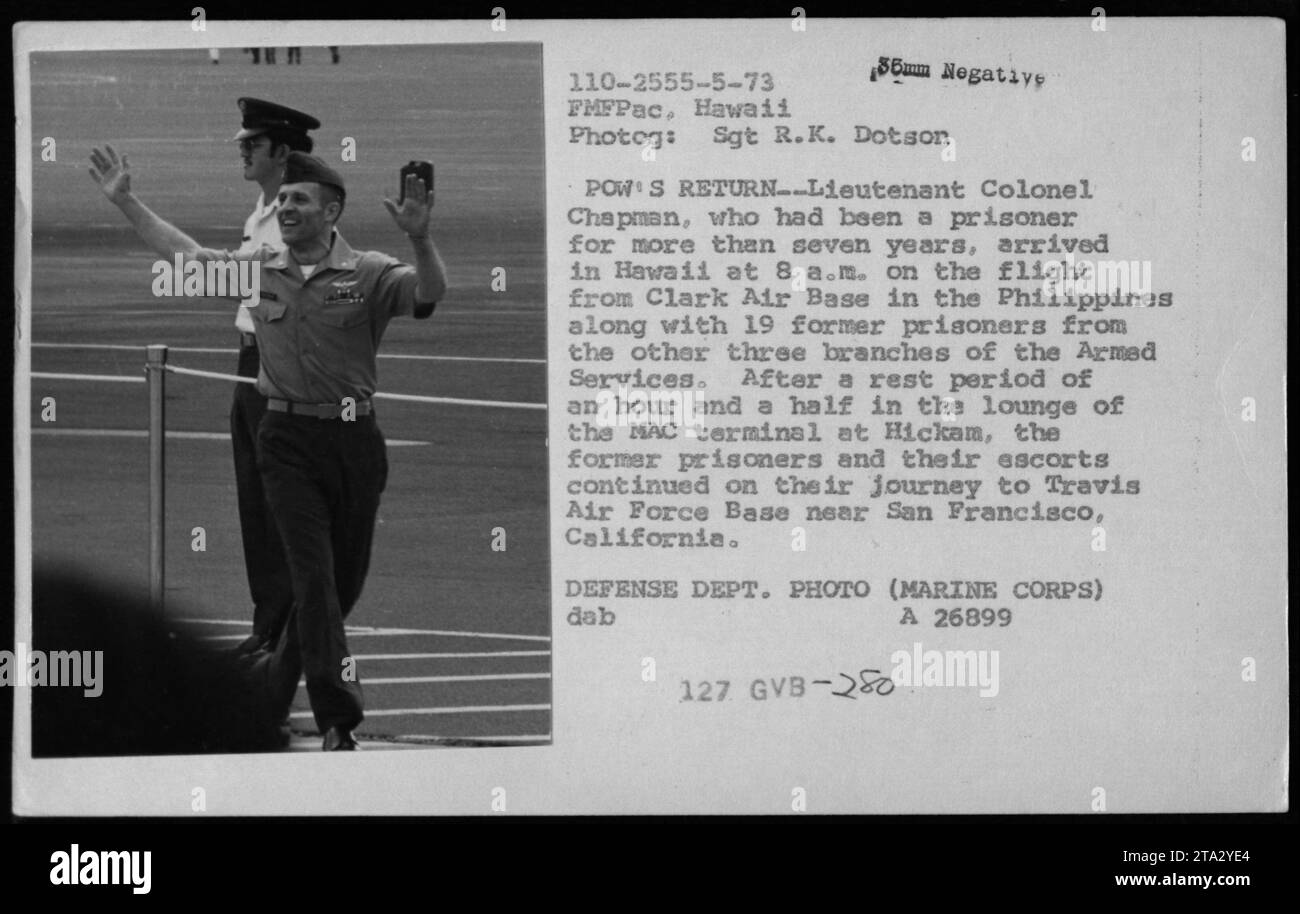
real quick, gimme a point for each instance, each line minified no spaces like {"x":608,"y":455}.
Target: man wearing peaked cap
{"x":261,"y":116}
{"x":323,"y":310}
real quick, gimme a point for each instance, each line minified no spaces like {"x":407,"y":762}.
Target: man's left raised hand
{"x":412,"y":214}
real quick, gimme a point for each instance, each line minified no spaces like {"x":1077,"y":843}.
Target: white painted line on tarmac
{"x":448,"y":634}
{"x":151,"y":312}
{"x":207,"y":349}
{"x":460,"y":358}
{"x":452,"y":655}
{"x":129,"y":433}
{"x":467,"y":709}
{"x":511,"y":738}
{"x":370,"y":630}
{"x":409,"y":680}
{"x":184,"y":436}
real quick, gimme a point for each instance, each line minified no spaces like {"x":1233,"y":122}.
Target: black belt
{"x":318,"y":410}
{"x":247,"y":339}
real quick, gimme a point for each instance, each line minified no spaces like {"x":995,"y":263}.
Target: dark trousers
{"x":323,"y":479}
{"x":269,"y":582}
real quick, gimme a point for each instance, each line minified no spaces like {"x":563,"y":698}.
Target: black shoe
{"x":339,"y":740}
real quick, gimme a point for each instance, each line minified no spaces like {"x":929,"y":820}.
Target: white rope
{"x":501,"y":404}
{"x":111,"y":378}
{"x":210,"y":374}
{"x":410,"y":398}
{"x":504,"y":404}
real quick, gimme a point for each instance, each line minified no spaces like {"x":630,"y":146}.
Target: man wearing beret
{"x":322,"y":312}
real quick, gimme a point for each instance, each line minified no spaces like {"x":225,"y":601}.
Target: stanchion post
{"x":156,"y":372}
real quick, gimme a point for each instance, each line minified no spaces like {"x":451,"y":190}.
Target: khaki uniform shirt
{"x":318,"y":336}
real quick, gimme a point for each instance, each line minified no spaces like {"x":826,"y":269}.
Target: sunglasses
{"x":251,"y":143}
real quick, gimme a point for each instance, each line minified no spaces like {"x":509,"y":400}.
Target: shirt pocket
{"x":344,"y":315}
{"x":269,"y":311}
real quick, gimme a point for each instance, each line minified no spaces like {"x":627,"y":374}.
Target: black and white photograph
{"x":288,"y":374}
{"x":786,"y":416}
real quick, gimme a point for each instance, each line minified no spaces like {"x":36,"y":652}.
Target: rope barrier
{"x":410,"y":398}
{"x":504,"y":404}
{"x":210,"y":374}
{"x":156,"y":369}
{"x":109,"y":378}
{"x":216,"y":375}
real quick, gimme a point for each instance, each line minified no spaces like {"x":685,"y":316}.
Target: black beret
{"x":260,"y":116}
{"x":303,"y":168}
